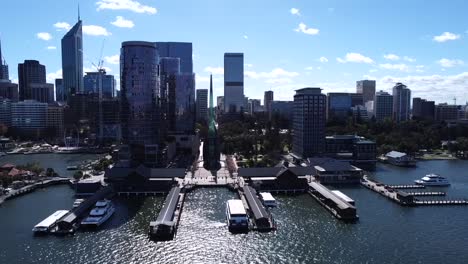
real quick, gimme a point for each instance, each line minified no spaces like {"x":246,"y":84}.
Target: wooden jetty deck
{"x":441,"y":202}
{"x":427,"y":193}
{"x":335,"y":205}
{"x":406,"y":186}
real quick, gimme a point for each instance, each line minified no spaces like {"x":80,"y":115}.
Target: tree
{"x":77,"y":175}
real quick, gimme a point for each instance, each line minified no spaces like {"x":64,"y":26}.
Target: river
{"x":307,"y":233}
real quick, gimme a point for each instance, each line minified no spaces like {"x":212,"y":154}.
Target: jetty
{"x":337,"y":206}
{"x":167,"y":222}
{"x":262,"y":218}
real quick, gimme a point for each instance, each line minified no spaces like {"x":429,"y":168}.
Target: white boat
{"x":236,"y":215}
{"x":433,"y":180}
{"x":102,"y":211}
{"x":343,"y":197}
{"x":47,"y":224}
{"x":72,"y":167}
{"x":77,"y":203}
{"x":268,"y":199}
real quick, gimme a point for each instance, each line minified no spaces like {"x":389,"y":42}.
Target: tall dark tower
{"x":72,"y":60}
{"x":3,"y":66}
{"x":211,"y":153}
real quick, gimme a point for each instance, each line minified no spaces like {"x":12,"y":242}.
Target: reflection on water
{"x":385,"y":233}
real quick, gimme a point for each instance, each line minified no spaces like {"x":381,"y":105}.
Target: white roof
{"x":52,"y":218}
{"x":266,"y":196}
{"x":236,"y":207}
{"x":343,"y":196}
{"x":395,"y":154}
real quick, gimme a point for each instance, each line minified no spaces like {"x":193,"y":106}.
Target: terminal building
{"x":357,"y":150}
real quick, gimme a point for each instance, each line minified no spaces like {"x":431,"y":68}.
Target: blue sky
{"x":286,"y":44}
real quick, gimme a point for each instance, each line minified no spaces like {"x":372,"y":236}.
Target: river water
{"x":307,"y":233}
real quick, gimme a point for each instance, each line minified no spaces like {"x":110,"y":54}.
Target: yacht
{"x":433,"y":180}
{"x":102,"y":211}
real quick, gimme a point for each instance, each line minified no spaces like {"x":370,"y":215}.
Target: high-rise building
{"x":42,"y":92}
{"x":184,"y":100}
{"x":383,"y":106}
{"x":104,"y":119}
{"x":423,"y":109}
{"x":233,"y":82}
{"x":31,"y":71}
{"x":5,"y":112}
{"x":446,"y":112}
{"x":9,"y":90}
{"x":139,"y":73}
{"x":220,"y":103}
{"x":72,"y":60}
{"x":401,"y":102}
{"x":254,"y":106}
{"x":59,"y":91}
{"x":267,"y":99}
{"x":55,"y":119}
{"x":29,"y":117}
{"x":367,"y":89}
{"x":338,"y":106}
{"x":202,"y":104}
{"x":181,"y":50}
{"x":3,"y":66}
{"x":282,"y":108}
{"x":99,"y":83}
{"x":309,"y":122}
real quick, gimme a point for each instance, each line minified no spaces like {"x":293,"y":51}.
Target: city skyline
{"x":426,"y":56}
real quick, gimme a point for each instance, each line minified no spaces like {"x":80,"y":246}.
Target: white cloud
{"x":248,"y":65}
{"x":310,"y":68}
{"x":62,"y":26}
{"x":274,"y":74}
{"x":420,"y":68}
{"x":447,"y":63}
{"x":295,"y":11}
{"x":245,"y":37}
{"x":323,"y":59}
{"x":44,"y":36}
{"x":130,"y":5}
{"x":215,"y":70}
{"x":306,"y":30}
{"x":409,"y":59}
{"x":54,"y":75}
{"x":446,"y":36}
{"x":122,"y":22}
{"x":389,"y":66}
{"x":51,"y":48}
{"x":94,"y":30}
{"x":114,"y":59}
{"x":391,"y":57}
{"x":279,"y":81}
{"x":373,"y":70}
{"x":331,"y":9}
{"x":355,"y":57}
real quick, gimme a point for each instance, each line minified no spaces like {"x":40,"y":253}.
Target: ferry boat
{"x":433,"y":180}
{"x":46,"y":225}
{"x":268,"y":199}
{"x":236,"y":216}
{"x":102,"y":211}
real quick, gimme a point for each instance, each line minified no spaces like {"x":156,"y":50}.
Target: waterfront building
{"x":72,"y":60}
{"x":5,"y":112}
{"x":9,"y":90}
{"x":139,"y":101}
{"x":358,"y":150}
{"x":181,"y":50}
{"x":29,"y":117}
{"x":99,"y":83}
{"x":331,"y":171}
{"x":276,"y":178}
{"x":3,"y":66}
{"x":400,"y":159}
{"x":401,"y":102}
{"x":233,"y":82}
{"x":30,"y":71}
{"x":367,"y":89}
{"x":55,"y":120}
{"x":59,"y":91}
{"x":309,"y":122}
{"x":338,"y":106}
{"x":383,"y":106}
{"x":446,"y":112}
{"x":202,"y":105}
{"x":423,"y":109}
{"x":267,"y":99}
{"x":42,"y":92}
{"x":282,"y":108}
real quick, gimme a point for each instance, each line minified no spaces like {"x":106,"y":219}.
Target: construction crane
{"x":100,"y":62}
{"x":454,"y":100}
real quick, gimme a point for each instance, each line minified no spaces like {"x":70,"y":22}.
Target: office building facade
{"x":42,"y":92}
{"x":9,"y":90}
{"x":29,"y":117}
{"x":446,"y":112}
{"x":181,"y":50}
{"x":184,"y":102}
{"x":309,"y":122}
{"x":234,"y":82}
{"x":59,"y":90}
{"x":55,"y":120}
{"x":367,"y":89}
{"x":3,"y":66}
{"x":202,"y":104}
{"x":383,"y":106}
{"x":72,"y":61}
{"x":267,"y":99}
{"x":423,"y":109}
{"x":99,"y":83}
{"x":401,"y":103}
{"x":30,"y":71}
{"x":338,"y":106}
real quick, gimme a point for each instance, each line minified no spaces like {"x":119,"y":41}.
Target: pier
{"x":427,"y":193}
{"x":406,"y":186}
{"x":262,"y":218}
{"x":334,"y":204}
{"x":32,"y":187}
{"x":167,"y":222}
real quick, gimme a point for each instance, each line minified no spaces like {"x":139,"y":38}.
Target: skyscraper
{"x":59,"y":92}
{"x":309,"y":122}
{"x":367,"y":89}
{"x":423,"y":109}
{"x":401,"y":102}
{"x":233,"y":82}
{"x":181,"y":50}
{"x":99,"y":83}
{"x":139,"y":100}
{"x":72,"y":60}
{"x":30,"y":71}
{"x":3,"y":66}
{"x":9,"y":90}
{"x":267,"y":99}
{"x":184,"y":104}
{"x":383,"y":106}
{"x":202,"y":104}
{"x":338,"y":106}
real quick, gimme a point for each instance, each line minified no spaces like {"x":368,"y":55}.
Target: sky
{"x":287,"y":45}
